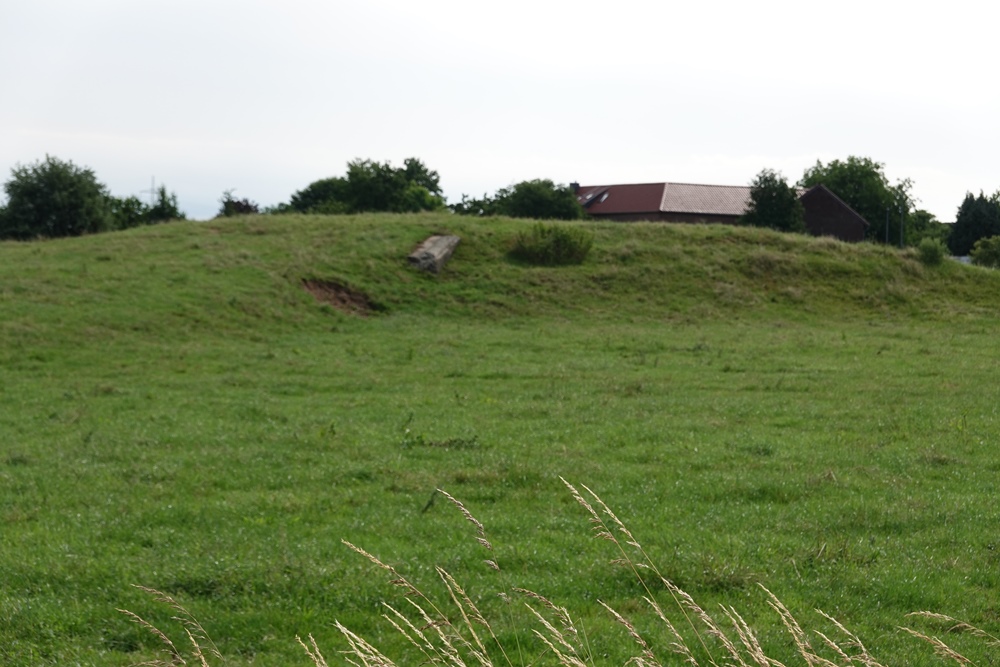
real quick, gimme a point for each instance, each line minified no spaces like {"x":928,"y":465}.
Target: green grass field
{"x":177,"y":411}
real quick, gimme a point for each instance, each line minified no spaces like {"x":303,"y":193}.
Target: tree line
{"x":372,"y":186}
{"x":889,"y":208}
{"x":862,"y":184}
{"x":52,"y":198}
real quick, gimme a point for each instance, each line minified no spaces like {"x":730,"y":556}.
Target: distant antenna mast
{"x":151,"y":190}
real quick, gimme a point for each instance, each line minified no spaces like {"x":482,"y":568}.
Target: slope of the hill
{"x":241,"y":276}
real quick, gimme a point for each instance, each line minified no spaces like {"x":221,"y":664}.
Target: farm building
{"x":826,"y":214}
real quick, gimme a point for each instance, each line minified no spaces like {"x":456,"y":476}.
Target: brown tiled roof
{"x":665,"y":198}
{"x":611,"y":199}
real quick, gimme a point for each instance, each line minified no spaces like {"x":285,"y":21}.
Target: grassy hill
{"x":253,"y":268}
{"x":178,"y":411}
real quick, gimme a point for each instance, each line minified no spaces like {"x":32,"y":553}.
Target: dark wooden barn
{"x":827,"y":214}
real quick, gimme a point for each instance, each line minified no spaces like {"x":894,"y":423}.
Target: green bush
{"x":931,"y":252}
{"x":540,"y":199}
{"x":230,"y":206}
{"x":986,"y":252}
{"x":165,"y":207}
{"x":373,"y":186}
{"x":127,"y":212}
{"x":52,"y":198}
{"x":552,"y":245}
{"x":131,"y":211}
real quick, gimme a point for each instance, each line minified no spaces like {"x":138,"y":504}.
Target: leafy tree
{"x":921,"y":225}
{"x":540,"y":199}
{"x":376,"y":186}
{"x":165,"y":207}
{"x":52,"y":198}
{"x":479,"y":207}
{"x":774,"y":204}
{"x":416,"y":172}
{"x":319,"y":194}
{"x":416,"y":198}
{"x":128,"y":212}
{"x":230,"y":206}
{"x":131,"y":211}
{"x":978,"y":217}
{"x":373,"y":186}
{"x":862,"y":184}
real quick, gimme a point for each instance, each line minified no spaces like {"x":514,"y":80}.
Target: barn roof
{"x":665,"y":198}
{"x":610,"y":199}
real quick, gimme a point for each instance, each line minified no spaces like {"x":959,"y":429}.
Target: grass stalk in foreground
{"x":201,"y":642}
{"x":465,"y":637}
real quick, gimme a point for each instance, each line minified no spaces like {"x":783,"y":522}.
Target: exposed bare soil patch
{"x":342,"y":297}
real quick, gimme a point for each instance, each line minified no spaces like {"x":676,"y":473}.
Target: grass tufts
{"x":465,"y":637}
{"x":201,"y":644}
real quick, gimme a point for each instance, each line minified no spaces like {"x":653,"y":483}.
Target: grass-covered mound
{"x":208,"y":408}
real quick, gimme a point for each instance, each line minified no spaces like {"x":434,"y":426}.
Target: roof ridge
{"x":702,"y":185}
{"x":618,"y":185}
{"x":707,"y":185}
{"x":663,"y":198}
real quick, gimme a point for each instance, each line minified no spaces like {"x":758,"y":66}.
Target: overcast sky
{"x":265,"y":97}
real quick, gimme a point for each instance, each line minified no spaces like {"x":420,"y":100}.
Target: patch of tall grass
{"x":552,"y":244}
{"x":664,"y":626}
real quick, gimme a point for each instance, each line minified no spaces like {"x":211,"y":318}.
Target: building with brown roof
{"x":826,"y":214}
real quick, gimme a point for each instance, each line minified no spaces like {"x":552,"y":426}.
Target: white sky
{"x":265,"y":97}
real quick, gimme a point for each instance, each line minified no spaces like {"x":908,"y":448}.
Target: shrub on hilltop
{"x":128,"y":212}
{"x":540,"y":199}
{"x":52,"y":198}
{"x":371,"y":186}
{"x":230,"y":206}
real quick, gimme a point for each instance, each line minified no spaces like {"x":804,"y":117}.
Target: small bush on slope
{"x":986,"y":252}
{"x":931,"y":252}
{"x":552,"y":245}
